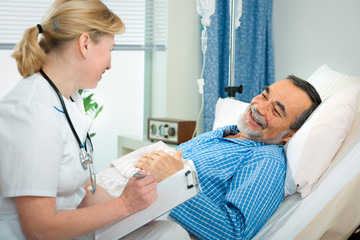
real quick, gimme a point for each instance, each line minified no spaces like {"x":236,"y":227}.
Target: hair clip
{"x":55,"y":23}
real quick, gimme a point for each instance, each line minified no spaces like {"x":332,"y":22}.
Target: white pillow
{"x":310,"y":151}
{"x":327,"y":81}
{"x":228,"y":111}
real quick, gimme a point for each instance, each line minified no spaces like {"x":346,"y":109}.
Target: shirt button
{"x":216,"y":141}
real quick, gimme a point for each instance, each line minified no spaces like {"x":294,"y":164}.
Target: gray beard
{"x":257,"y":135}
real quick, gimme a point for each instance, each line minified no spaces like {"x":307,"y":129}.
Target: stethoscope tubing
{"x":85,"y":157}
{"x":65,"y":110}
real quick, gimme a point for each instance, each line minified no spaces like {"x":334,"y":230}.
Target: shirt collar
{"x":232,"y":130}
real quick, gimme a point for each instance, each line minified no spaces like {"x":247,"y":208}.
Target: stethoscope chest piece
{"x":86,"y":153}
{"x":85,"y":159}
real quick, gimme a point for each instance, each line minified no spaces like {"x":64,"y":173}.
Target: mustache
{"x":256,"y":115}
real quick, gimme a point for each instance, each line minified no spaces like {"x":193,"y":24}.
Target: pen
{"x":138,"y":175}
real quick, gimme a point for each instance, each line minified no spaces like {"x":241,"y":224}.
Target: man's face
{"x":270,"y":114}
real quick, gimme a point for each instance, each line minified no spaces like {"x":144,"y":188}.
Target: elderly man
{"x":241,"y":168}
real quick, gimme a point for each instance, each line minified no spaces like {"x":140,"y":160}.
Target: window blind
{"x":145,"y":21}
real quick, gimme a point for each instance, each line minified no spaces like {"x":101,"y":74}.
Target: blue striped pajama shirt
{"x":242,"y":185}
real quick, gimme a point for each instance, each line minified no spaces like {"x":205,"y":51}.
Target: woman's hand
{"x":139,"y":193}
{"x":40,"y":219}
{"x":161,"y":163}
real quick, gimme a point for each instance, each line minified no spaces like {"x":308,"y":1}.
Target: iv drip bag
{"x":238,"y":12}
{"x":205,"y":9}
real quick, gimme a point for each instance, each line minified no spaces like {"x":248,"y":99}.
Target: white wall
{"x":175,"y":91}
{"x":10,"y":74}
{"x":122,"y":93}
{"x":310,"y":33}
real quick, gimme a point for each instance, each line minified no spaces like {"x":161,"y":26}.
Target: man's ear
{"x":84,"y":43}
{"x":289,"y":135}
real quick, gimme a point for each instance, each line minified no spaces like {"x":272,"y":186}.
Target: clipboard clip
{"x":191,"y":178}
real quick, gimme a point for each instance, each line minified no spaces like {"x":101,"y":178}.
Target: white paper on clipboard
{"x":172,"y":191}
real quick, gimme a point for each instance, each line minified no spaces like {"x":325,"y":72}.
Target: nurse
{"x":45,"y":151}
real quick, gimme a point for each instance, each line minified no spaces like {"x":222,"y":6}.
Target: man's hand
{"x":161,"y":163}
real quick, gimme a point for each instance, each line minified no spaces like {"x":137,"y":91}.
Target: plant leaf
{"x":98,"y":111}
{"x":91,"y":107}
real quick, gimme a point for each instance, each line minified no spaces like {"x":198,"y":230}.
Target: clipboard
{"x":172,"y":191}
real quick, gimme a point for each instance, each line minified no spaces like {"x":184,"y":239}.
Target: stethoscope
{"x":86,"y":154}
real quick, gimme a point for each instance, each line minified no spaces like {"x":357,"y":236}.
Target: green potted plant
{"x":92,"y":108}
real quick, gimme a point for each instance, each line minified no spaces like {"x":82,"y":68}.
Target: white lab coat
{"x":39,"y":155}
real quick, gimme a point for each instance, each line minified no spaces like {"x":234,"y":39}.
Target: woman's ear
{"x":84,"y":43}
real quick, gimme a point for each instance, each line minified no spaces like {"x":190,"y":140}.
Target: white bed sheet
{"x":295,"y":215}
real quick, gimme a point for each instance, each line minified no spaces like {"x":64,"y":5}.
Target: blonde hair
{"x":64,"y":21}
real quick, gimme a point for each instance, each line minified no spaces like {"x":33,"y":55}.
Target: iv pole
{"x":231,"y":89}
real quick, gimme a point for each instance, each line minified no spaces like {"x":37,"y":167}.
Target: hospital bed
{"x":322,"y":186}
{"x":326,"y":204}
